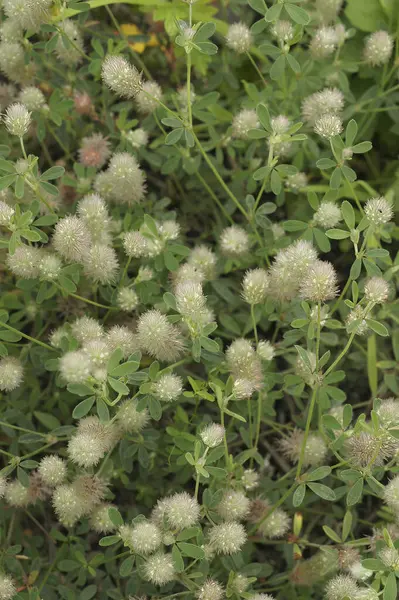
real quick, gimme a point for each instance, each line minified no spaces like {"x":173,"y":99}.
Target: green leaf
{"x":171,"y":262}
{"x":83,"y":408}
{"x":125,"y":369}
{"x":191,"y":550}
{"x":337,"y":234}
{"x":350,"y":133}
{"x":379,"y":328}
{"x":155,"y":408}
{"x":336,"y":178}
{"x":319,"y":473}
{"x":174,"y":136}
{"x":356,"y":269}
{"x":297,"y":14}
{"x":278,"y":68}
{"x":115,"y":516}
{"x":118,"y":386}
{"x":390,"y":590}
{"x":273,"y":13}
{"x":331,"y":534}
{"x":102,"y":410}
{"x":67,"y":284}
{"x":325,"y":163}
{"x":299,"y":495}
{"x":109,"y":540}
{"x":204,"y":32}
{"x":295,"y":225}
{"x":364,"y":15}
{"x":49,"y":421}
{"x":178,"y":562}
{"x":373,"y":564}
{"x":209,"y":345}
{"x":88,"y":592}
{"x":362,"y":147}
{"x":348,"y":214}
{"x":126,"y":567}
{"x":6,"y":181}
{"x":52,"y":173}
{"x":347,"y":525}
{"x":355,"y":492}
{"x":263,"y":115}
{"x":323,"y":491}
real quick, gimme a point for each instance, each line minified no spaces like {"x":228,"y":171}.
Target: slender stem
{"x":254,"y":323}
{"x":226,"y":449}
{"x":189,"y":111}
{"x":17,"y":428}
{"x":307,"y":430}
{"x":318,"y":335}
{"x":258,"y":421}
{"x":88,"y":301}
{"x":337,"y":303}
{"x":125,"y":270}
{"x":218,"y":177}
{"x":249,"y":406}
{"x":355,"y":196}
{"x":28,"y":337}
{"x":214,"y":197}
{"x":72,"y":42}
{"x":255,"y":66}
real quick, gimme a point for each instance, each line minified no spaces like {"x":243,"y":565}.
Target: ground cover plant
{"x":199,"y":347}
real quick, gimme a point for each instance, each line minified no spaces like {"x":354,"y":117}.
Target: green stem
{"x":22,"y":429}
{"x":28,"y":337}
{"x":254,"y":323}
{"x":307,"y":430}
{"x":218,"y":177}
{"x":87,"y":300}
{"x":255,"y":66}
{"x":318,"y":335}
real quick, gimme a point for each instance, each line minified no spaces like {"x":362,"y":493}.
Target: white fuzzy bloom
{"x":11,"y":31}
{"x":328,"y":126}
{"x":239,"y":38}
{"x":145,"y":538}
{"x":135,"y":244}
{"x":50,"y":267}
{"x":243,"y":121}
{"x":100,"y":264}
{"x":296,"y":182}
{"x":376,"y":290}
{"x":159,"y":568}
{"x":17,"y":119}
{"x":324,"y":42}
{"x":391,"y":493}
{"x":283,"y":31}
{"x":75,"y":366}
{"x":86,"y":328}
{"x":276,"y":525}
{"x":121,"y":77}
{"x":25,"y":262}
{"x":32,"y":97}
{"x":250,"y":479}
{"x":52,"y":470}
{"x":137,"y":138}
{"x":71,"y":238}
{"x":3,"y":486}
{"x":168,"y":388}
{"x":67,"y":505}
{"x":265,"y":350}
{"x":255,"y":285}
{"x":158,"y":337}
{"x":204,"y":260}
{"x":289,"y":268}
{"x":16,"y":494}
{"x":190,"y":299}
{"x":98,"y":351}
{"x":67,"y":53}
{"x":129,"y":419}
{"x":100,"y":520}
{"x":378,"y":210}
{"x":341,"y":587}
{"x":212,"y":435}
{"x":319,"y":283}
{"x":7,"y":587}
{"x":11,"y":373}
{"x":6,"y":214}
{"x":29,"y":14}
{"x":234,"y":241}
{"x":329,"y":100}
{"x":93,"y":211}
{"x":234,"y":505}
{"x":227,"y":538}
{"x":378,"y":48}
{"x":127,"y":299}
{"x":120,"y":336}
{"x":123,"y":182}
{"x":328,"y":215}
{"x":178,"y":511}
{"x":148,"y":97}
{"x":210,"y":590}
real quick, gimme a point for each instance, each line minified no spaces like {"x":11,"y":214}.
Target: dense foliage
{"x":199,"y":347}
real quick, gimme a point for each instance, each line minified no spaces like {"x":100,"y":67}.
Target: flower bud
{"x":378,"y":211}
{"x":239,"y":38}
{"x":376,"y":290}
{"x":227,"y":538}
{"x":323,"y":43}
{"x":137,"y":138}
{"x":168,"y":388}
{"x":86,"y":328}
{"x":52,"y":470}
{"x":212,"y":435}
{"x":11,"y":373}
{"x":94,"y":151}
{"x":100,"y":520}
{"x":121,"y":77}
{"x":255,"y":286}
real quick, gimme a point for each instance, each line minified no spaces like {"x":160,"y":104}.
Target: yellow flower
{"x":129,"y":29}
